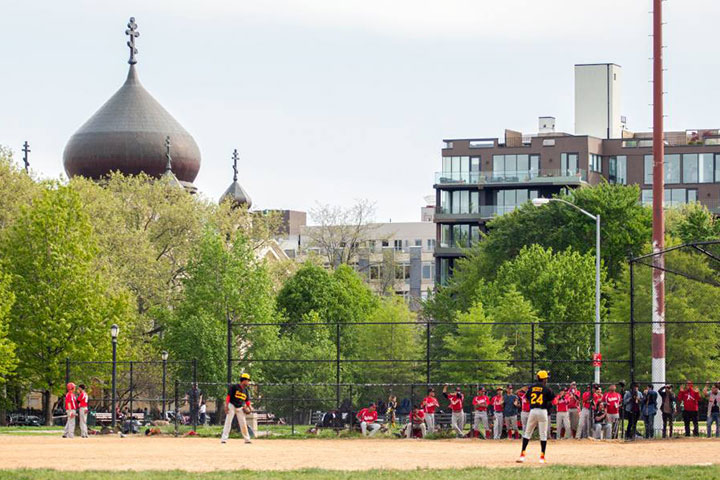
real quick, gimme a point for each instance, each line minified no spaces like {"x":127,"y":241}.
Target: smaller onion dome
{"x":235,"y":193}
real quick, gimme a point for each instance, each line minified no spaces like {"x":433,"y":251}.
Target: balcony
{"x":520,"y":177}
{"x":475,"y":213}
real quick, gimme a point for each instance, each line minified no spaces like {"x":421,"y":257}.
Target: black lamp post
{"x":164,"y":359}
{"x":114,"y":330}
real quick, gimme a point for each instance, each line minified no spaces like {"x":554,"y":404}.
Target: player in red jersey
{"x":429,"y":404}
{"x":613,"y":400}
{"x":498,"y":403}
{"x":368,"y":420}
{"x":71,"y":411}
{"x":524,"y":406}
{"x":480,"y":415}
{"x":457,"y":418}
{"x":82,"y":404}
{"x":416,"y":422}
{"x":563,"y":415}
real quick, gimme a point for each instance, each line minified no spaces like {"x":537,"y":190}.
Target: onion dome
{"x":127,"y":134}
{"x":235,"y":193}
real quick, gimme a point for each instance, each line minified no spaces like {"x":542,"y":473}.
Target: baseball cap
{"x":71,"y":386}
{"x":245,"y":376}
{"x":543,"y":374}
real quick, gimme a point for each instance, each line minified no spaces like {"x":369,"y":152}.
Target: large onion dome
{"x":127,"y":134}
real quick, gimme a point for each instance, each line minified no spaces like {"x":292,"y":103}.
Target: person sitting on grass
{"x":416,"y":423}
{"x":368,"y":420}
{"x":603,"y":427}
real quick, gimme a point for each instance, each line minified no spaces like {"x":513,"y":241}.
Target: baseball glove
{"x":247,"y":409}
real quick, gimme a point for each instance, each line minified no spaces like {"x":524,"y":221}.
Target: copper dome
{"x":127,"y":134}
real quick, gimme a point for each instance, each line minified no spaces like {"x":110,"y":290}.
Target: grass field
{"x":545,"y":473}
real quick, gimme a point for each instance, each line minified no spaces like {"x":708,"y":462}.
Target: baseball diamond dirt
{"x":204,"y":454}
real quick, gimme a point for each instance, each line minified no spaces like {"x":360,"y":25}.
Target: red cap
{"x":70,"y":387}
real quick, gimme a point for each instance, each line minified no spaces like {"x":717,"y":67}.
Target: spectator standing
{"x":713,"y":412}
{"x":603,"y":428}
{"x":390,"y":414}
{"x":649,"y":410}
{"x":632,"y":404}
{"x":612,"y":401}
{"x":457,"y":418}
{"x":561,"y":402}
{"x":203,"y":413}
{"x":70,"y":411}
{"x":574,"y":407}
{"x":429,"y":404}
{"x":480,"y":415}
{"x":417,"y":422}
{"x":667,"y":408}
{"x":82,"y":404}
{"x":194,"y":398}
{"x":510,"y":412}
{"x":498,"y":403}
{"x":368,"y":420}
{"x":689,"y":398}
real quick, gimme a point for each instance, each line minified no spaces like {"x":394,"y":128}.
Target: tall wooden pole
{"x":658,"y":312}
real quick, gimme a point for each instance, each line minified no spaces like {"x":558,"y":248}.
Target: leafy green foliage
{"x":8,"y":360}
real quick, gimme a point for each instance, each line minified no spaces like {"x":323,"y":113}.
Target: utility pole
{"x":658,"y":277}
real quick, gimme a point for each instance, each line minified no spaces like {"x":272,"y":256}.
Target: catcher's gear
{"x":70,"y":387}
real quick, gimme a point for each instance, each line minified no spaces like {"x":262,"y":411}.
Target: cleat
{"x":521,"y":459}
{"x":248,"y":441}
{"x":542,"y":458}
{"x":223,"y":441}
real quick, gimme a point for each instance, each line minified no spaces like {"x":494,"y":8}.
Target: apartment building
{"x":482,"y":178}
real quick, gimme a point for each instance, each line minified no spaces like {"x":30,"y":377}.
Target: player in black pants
{"x":540,"y":398}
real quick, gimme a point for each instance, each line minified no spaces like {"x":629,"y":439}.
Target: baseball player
{"x":574,"y":407}
{"x":563,"y":416}
{"x":237,"y":404}
{"x":429,"y":404}
{"x":541,"y":398}
{"x":368,"y":420}
{"x":524,"y":406}
{"x":480,"y":415}
{"x":457,"y":419}
{"x":510,"y":411}
{"x":82,"y":404}
{"x":612,"y":400}
{"x":586,"y":421}
{"x":416,"y":422}
{"x":71,"y":411}
{"x":498,"y":403}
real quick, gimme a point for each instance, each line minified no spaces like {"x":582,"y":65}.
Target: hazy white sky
{"x":333,"y":100}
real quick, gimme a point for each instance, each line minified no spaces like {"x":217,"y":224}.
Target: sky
{"x":331,"y":101}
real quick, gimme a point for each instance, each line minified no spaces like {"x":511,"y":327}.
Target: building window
{"x":648,"y":177}
{"x":418,"y":242}
{"x":372,"y":244}
{"x":402,"y":272}
{"x":398,"y":245}
{"x":455,"y":164}
{"x":431,"y":244}
{"x":375,"y":272}
{"x":617,"y":167}
{"x":445,"y":270}
{"x":698,"y":168}
{"x":672,"y":169}
{"x":673,"y":196}
{"x":445,"y":236}
{"x":595,"y":163}
{"x":427,"y":271}
{"x":474,"y":234}
{"x":475,"y":202}
{"x":508,"y":200}
{"x":461,"y":236}
{"x":474,"y":164}
{"x":569,"y":163}
{"x":385,"y":243}
{"x":717,"y":167}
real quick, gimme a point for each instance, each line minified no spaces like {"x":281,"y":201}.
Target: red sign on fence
{"x":597,"y":359}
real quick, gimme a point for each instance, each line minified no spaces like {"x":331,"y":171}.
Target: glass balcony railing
{"x":511,"y":177}
{"x":481,"y":211}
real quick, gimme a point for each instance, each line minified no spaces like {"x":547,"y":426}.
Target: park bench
{"x":265,"y":418}
{"x":106,"y":417}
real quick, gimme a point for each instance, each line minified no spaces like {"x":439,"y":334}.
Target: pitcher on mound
{"x":540,"y":398}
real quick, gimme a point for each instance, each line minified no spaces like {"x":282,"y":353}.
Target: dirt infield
{"x":204,"y":454}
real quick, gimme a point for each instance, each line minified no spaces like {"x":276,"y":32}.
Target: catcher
{"x":237,"y":404}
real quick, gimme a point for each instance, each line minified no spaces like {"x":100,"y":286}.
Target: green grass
{"x":544,"y":473}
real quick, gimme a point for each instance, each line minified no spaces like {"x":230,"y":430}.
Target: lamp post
{"x":164,"y":360}
{"x":114,"y":331}
{"x":538,"y":202}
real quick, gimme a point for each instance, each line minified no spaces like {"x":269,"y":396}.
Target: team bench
{"x":106,"y":417}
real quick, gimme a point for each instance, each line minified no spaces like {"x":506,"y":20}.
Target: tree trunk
{"x":47,"y":409}
{"x":219,"y":411}
{"x":3,"y":406}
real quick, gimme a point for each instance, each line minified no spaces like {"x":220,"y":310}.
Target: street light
{"x":164,"y":359}
{"x":114,"y":331}
{"x":539,"y":202}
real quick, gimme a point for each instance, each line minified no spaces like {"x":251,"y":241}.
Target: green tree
{"x":476,"y":342}
{"x":8,"y":360}
{"x":64,"y":306}
{"x":692,"y":222}
{"x":224,"y":282}
{"x":399,"y":339}
{"x":691,"y":349}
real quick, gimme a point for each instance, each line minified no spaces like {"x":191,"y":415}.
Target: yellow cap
{"x":543,"y":374}
{"x":245,"y":376}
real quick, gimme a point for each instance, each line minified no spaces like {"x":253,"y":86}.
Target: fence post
{"x":177,"y":409}
{"x":532,"y":352}
{"x":194,"y":409}
{"x":352,"y":417}
{"x":337,"y":365}
{"x":412,"y":396}
{"x":632,"y":322}
{"x":427,"y":351}
{"x":67,"y":370}
{"x":292,"y":409}
{"x":131,"y":388}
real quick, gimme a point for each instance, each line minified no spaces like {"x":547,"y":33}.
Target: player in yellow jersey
{"x":540,"y":398}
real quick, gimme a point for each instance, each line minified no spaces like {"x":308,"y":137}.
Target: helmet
{"x":245,"y":376}
{"x":543,"y":375}
{"x":70,"y":386}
